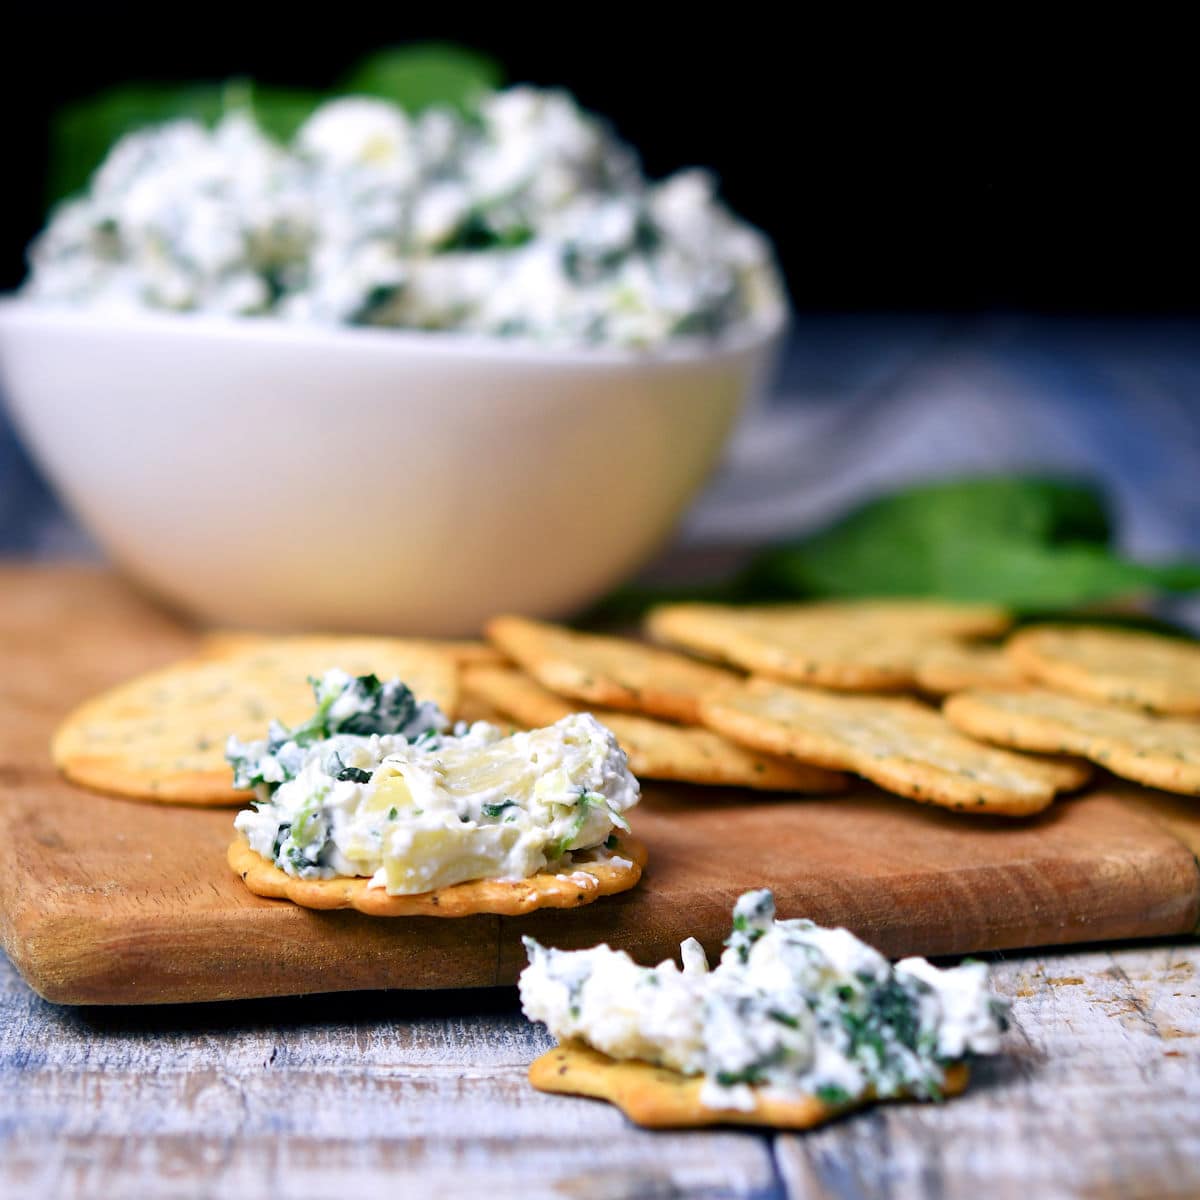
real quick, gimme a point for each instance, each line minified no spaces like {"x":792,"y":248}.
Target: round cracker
{"x":656,"y":749}
{"x":872,"y":646}
{"x":610,"y":671}
{"x":950,"y":666}
{"x":899,"y":744}
{"x":463,"y":652}
{"x":1161,"y":752}
{"x":162,"y":736}
{"x":1115,"y":666}
{"x":505,"y":897}
{"x":659,"y":1098}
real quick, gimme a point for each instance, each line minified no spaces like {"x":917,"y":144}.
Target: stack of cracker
{"x":921,"y":698}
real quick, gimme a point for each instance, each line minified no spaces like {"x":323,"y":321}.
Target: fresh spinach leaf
{"x":1019,"y":541}
{"x":425,"y":74}
{"x":83,"y":132}
{"x":416,"y":76}
{"x":1037,"y":545}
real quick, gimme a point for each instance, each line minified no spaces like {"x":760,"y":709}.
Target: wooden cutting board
{"x":107,"y":901}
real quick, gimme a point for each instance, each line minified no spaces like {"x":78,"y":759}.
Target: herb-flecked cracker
{"x":610,"y":671}
{"x":951,"y":666}
{"x":866,"y":646}
{"x":1161,"y":752}
{"x":659,"y":1098}
{"x":897,"y":743}
{"x":162,"y":735}
{"x":580,"y":883}
{"x":473,"y":708}
{"x":656,"y":749}
{"x":463,"y":652}
{"x":1115,"y":666}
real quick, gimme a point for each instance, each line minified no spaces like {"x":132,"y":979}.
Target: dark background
{"x":955,"y":167}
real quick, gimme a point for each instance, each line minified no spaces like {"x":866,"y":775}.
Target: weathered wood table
{"x":393,"y":1095}
{"x":1097,"y":1093}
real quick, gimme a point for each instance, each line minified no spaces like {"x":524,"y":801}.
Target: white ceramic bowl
{"x":265,"y":474}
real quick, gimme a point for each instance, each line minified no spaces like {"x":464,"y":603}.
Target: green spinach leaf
{"x":425,"y":74}
{"x":1037,"y":545}
{"x":1028,"y":543}
{"x":415,"y":76}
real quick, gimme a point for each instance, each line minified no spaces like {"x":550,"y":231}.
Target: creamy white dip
{"x":792,"y":1008}
{"x":416,"y":808}
{"x":528,"y":218}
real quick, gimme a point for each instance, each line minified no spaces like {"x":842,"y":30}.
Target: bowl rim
{"x":19,"y":312}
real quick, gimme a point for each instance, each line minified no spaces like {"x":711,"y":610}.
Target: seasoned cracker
{"x":899,"y":744}
{"x":476,"y":708}
{"x":1115,"y":666}
{"x":915,"y":616}
{"x":463,"y":652}
{"x":656,"y":749}
{"x":659,"y":1098}
{"x":162,"y":736}
{"x":873,"y":646}
{"x":610,"y":671}
{"x":950,"y":666}
{"x":1161,"y":752}
{"x":579,"y":884}
{"x":521,"y":697}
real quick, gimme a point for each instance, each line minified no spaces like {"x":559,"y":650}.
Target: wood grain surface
{"x":379,"y":1096}
{"x":106,"y":901}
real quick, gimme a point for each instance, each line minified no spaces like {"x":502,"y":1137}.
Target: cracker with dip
{"x":162,"y":736}
{"x":378,"y":803}
{"x":796,"y":1025}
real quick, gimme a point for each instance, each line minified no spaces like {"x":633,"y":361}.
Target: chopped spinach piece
{"x":494,"y":810}
{"x":359,"y":707}
{"x":582,"y":804}
{"x":281,"y":836}
{"x":750,"y":1074}
{"x":752,"y":917}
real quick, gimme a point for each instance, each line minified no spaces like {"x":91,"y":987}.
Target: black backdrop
{"x":898,"y":166}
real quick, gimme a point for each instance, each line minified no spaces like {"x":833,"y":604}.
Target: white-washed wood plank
{"x":368,"y":1095}
{"x":1097,"y":1095}
{"x":378,"y":1094}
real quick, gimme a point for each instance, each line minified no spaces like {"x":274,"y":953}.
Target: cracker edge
{"x":778,"y":776}
{"x":1100,"y":687}
{"x":559,"y":674}
{"x":921,"y":782}
{"x":211,"y":788}
{"x":508,"y":898}
{"x":756,"y":652}
{"x":971,"y":713}
{"x":463,"y":652}
{"x":659,"y":1098}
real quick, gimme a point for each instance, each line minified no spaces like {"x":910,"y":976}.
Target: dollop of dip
{"x":378,"y":785}
{"x":792,"y":1007}
{"x":526,"y":218}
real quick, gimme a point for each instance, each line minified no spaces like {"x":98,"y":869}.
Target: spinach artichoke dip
{"x":526,"y":218}
{"x":792,"y":1008}
{"x":377,"y":785}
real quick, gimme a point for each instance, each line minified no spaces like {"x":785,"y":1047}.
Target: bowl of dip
{"x":395,"y":376}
